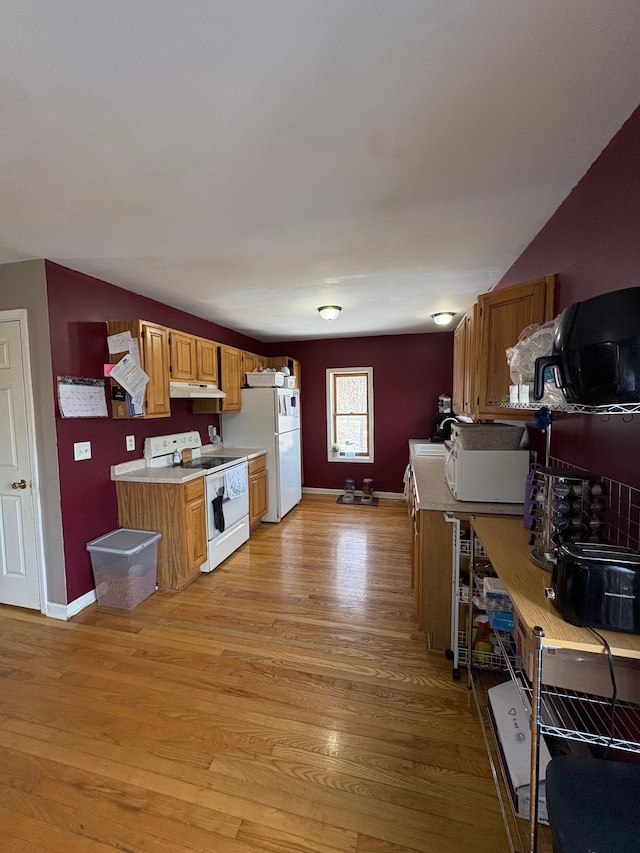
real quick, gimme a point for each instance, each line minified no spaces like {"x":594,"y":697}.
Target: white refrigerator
{"x":270,"y":418}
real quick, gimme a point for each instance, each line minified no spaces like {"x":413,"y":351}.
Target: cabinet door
{"x":230,"y":377}
{"x":469,"y":360}
{"x":460,"y":367}
{"x":258,"y":494}
{"x":182,"y":349}
{"x":464,"y":365}
{"x":195,"y":525}
{"x":207,"y":360}
{"x":249,"y":362}
{"x":155,"y":361}
{"x":153,"y":343}
{"x":502,"y":316}
{"x":295,"y":367}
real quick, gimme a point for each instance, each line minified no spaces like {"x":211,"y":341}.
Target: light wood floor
{"x":285,"y":702}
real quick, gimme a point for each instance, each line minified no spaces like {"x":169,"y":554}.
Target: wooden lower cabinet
{"x":433,"y":573}
{"x":178,"y":512}
{"x":258,"y":492}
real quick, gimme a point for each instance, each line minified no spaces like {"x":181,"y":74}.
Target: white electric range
{"x":226,"y":490}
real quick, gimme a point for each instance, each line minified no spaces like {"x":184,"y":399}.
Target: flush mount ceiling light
{"x":329,"y":312}
{"x":442,"y":318}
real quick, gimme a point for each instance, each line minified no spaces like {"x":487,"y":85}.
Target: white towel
{"x":235,"y":482}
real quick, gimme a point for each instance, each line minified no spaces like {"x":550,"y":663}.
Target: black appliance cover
{"x":596,"y":350}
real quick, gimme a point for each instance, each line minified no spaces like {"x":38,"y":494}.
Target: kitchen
{"x":590,"y":244}
{"x":68,"y":312}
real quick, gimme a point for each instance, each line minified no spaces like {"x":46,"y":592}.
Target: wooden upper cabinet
{"x":463,"y":364}
{"x":193,"y":359}
{"x":296,"y":370}
{"x":155,"y":362}
{"x":182,"y":348}
{"x":502,"y":316}
{"x":153,"y":343}
{"x":207,"y":360}
{"x":276,"y":362}
{"x":230,"y":377}
{"x":251,"y":362}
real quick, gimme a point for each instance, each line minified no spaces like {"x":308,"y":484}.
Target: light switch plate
{"x":131,"y":442}
{"x":82,"y":450}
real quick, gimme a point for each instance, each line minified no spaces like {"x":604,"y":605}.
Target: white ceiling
{"x":250,"y":160}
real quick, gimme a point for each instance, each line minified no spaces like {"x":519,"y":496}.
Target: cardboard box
{"x":584,"y":672}
{"x":510,"y":719}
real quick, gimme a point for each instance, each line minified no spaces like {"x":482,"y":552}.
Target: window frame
{"x":331,"y":374}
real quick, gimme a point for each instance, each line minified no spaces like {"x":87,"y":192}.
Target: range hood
{"x":196,"y":390}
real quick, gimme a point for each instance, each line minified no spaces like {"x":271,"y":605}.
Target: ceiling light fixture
{"x":329,"y":312}
{"x":442,"y":318}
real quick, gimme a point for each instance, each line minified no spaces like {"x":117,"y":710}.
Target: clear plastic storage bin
{"x":124,"y":566}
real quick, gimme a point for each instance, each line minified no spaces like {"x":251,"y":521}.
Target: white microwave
{"x":495,"y":476}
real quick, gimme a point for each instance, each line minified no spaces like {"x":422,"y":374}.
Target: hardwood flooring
{"x":285,"y":702}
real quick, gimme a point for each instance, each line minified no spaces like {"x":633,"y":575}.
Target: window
{"x":350,"y":413}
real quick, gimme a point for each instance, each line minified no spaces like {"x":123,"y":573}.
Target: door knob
{"x":22,"y":484}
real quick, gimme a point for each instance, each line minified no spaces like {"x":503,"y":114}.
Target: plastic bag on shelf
{"x":534,"y":342}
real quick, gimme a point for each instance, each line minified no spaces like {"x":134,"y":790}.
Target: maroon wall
{"x":409,"y":373}
{"x":593,"y":243}
{"x":78,"y":308}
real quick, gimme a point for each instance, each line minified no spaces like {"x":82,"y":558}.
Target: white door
{"x":19,"y":572}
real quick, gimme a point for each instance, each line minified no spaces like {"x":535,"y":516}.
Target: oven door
{"x":223,"y":511}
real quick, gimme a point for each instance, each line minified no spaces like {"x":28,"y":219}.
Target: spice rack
{"x":563,"y":505}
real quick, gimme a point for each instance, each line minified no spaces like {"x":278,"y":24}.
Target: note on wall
{"x":119,"y":343}
{"x":81,"y":398}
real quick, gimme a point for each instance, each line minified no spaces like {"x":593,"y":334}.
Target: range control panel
{"x":162,"y":445}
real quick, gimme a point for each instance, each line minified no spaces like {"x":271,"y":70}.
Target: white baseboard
{"x":394,"y":496}
{"x":66,"y":611}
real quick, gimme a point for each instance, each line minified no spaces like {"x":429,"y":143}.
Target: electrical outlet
{"x":82,"y":450}
{"x":131,"y":442}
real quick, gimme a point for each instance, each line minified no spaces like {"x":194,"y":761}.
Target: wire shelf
{"x":587,"y":718}
{"x":575,"y":408}
{"x":484,"y":660}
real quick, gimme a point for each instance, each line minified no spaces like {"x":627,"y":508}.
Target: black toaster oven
{"x":598,"y":586}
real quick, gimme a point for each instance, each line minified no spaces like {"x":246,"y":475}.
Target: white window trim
{"x":330,"y":371}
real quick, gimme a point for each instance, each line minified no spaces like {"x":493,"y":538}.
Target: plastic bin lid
{"x":123,"y":541}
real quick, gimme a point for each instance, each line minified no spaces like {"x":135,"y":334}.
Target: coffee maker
{"x":443,"y":419}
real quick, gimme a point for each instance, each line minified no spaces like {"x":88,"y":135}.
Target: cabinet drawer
{"x":194,"y":489}
{"x":257,"y":464}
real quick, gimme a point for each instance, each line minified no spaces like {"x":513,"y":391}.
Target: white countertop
{"x":137,"y":471}
{"x":433,"y":492}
